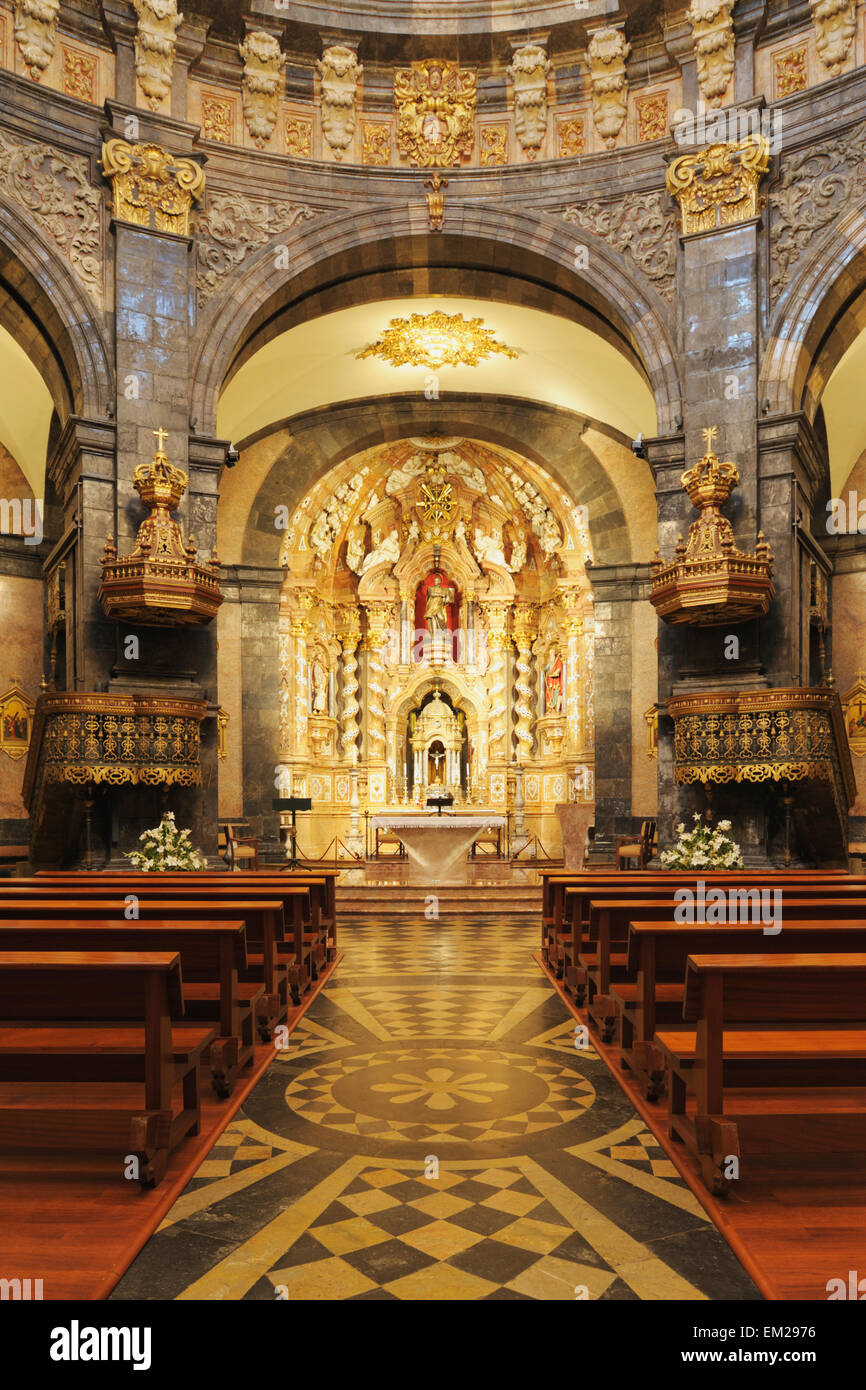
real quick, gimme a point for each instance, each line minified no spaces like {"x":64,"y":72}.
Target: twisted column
{"x":497,"y":681}
{"x":349,"y":707}
{"x":377,"y":617}
{"x":523,"y":682}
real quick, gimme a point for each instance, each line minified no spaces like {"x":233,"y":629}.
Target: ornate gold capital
{"x":718,"y":186}
{"x":150,"y":187}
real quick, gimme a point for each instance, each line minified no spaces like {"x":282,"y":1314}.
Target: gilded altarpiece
{"x":435,"y":638}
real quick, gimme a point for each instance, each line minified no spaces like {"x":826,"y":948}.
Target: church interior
{"x":432,"y":694}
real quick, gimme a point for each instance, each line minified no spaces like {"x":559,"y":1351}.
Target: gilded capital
{"x":718,"y":186}
{"x":150,"y":187}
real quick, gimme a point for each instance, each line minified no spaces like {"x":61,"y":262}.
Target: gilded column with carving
{"x":523,"y":634}
{"x":378,"y":615}
{"x":350,"y":632}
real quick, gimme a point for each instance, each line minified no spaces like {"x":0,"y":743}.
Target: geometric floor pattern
{"x":437,"y":1130}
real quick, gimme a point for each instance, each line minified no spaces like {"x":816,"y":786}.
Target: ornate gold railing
{"x":115,"y":739}
{"x":792,"y":734}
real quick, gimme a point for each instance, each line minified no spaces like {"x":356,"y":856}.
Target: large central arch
{"x":332,"y":260}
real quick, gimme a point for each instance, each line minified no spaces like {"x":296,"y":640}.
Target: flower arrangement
{"x":703,"y":847}
{"x":166,"y":847}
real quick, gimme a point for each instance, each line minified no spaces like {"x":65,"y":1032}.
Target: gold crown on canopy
{"x":710,"y":482}
{"x":159,"y":483}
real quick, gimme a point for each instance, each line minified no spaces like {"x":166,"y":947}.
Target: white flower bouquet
{"x":703,"y":847}
{"x":164,"y":848}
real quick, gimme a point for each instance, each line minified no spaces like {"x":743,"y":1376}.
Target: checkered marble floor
{"x":437,"y":1130}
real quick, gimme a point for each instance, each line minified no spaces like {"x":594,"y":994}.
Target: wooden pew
{"x":555,"y":881}
{"x":211,"y":954}
{"x":276,"y":961}
{"x":777,"y":1040}
{"x":92,"y":1048}
{"x":305,"y":895}
{"x":652,"y":994}
{"x":594,"y":955}
{"x":573,"y":892}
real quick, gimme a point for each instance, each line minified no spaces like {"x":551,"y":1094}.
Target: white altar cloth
{"x":437,"y":845}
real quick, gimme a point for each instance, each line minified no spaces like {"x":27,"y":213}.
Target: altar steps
{"x":362,"y":901}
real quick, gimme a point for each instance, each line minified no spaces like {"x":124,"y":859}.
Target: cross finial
{"x":709,"y":435}
{"x":161,"y":437}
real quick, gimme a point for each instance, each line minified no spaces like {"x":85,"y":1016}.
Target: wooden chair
{"x":242,"y":852}
{"x":637,"y":853}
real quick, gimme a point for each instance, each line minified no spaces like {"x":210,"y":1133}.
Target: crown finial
{"x":709,"y":435}
{"x":161,"y":436}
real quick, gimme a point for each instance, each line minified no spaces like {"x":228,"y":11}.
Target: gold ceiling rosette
{"x":710,"y":580}
{"x":436,"y":340}
{"x":161,"y":584}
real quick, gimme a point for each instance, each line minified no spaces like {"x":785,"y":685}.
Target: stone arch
{"x":261,"y":299}
{"x":546,"y":435}
{"x":817,"y":320}
{"x":45,"y":308}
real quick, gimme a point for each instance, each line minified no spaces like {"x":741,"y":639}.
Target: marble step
{"x":396,"y":899}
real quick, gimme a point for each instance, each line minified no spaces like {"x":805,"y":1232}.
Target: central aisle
{"x":432,"y":1132}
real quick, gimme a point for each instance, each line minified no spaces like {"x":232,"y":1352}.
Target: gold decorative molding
{"x":854,"y":712}
{"x":435,"y":201}
{"x":435,"y":102}
{"x":261,"y":82}
{"x":493,"y":145}
{"x":299,"y":137}
{"x":651,"y":113}
{"x":217,"y":118}
{"x":376,"y":144}
{"x":791,"y":71}
{"x":572,"y":137}
{"x":158,"y":22}
{"x":436,"y":340}
{"x":651,"y":716}
{"x":79,"y":74}
{"x":150,"y":187}
{"x":16,"y":721}
{"x":710,"y":580}
{"x":222,"y":725}
{"x":718,"y":186}
{"x":160,"y":584}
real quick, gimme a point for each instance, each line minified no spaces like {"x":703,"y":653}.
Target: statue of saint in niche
{"x":435,"y":604}
{"x":553,"y":684}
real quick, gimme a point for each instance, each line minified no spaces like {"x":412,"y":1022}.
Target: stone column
{"x":615,"y":588}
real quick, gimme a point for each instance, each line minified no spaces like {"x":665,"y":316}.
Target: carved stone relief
{"x":607,"y":52}
{"x":263,"y":72}
{"x":339,"y":71}
{"x":232,"y":228}
{"x":158,"y":22}
{"x":817,"y":186}
{"x":55,"y":191}
{"x":637,"y":226}
{"x":835,"y":25}
{"x":714,"y":46}
{"x":528,"y":72}
{"x":36,"y":33}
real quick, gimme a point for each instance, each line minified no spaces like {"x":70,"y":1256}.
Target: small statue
{"x":320,"y":688}
{"x":553,"y":684}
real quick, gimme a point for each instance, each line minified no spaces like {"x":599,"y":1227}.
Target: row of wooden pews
{"x":754,"y":1029}
{"x":117,"y":989}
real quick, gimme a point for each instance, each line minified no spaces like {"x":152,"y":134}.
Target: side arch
{"x":43,"y":306}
